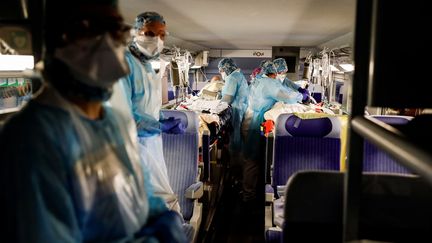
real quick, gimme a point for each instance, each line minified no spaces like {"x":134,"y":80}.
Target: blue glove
{"x":172,"y":125}
{"x":166,"y":227}
{"x":305,"y":94}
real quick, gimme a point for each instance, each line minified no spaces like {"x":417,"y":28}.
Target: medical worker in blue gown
{"x":282,"y":69}
{"x":235,"y":93}
{"x":261,"y":73}
{"x":71,"y":170}
{"x":144,"y":93}
{"x":263,"y":94}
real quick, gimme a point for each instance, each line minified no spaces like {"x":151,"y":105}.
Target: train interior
{"x":352,"y":165}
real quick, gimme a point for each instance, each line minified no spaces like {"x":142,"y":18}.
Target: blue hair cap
{"x":227,"y":65}
{"x":146,"y":18}
{"x":280,"y":65}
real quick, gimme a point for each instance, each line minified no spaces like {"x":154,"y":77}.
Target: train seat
{"x":181,"y":157}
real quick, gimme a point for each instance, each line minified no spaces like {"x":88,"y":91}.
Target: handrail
{"x":403,"y":151}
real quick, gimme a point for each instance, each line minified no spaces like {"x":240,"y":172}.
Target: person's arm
{"x":290,"y":84}
{"x":281,"y":93}
{"x":229,"y":90}
{"x":288,"y":96}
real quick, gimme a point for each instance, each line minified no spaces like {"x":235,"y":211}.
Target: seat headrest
{"x":188,"y":118}
{"x":294,"y":126}
{"x":394,"y":120}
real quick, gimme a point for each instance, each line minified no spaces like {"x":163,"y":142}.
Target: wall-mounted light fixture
{"x":16,"y":62}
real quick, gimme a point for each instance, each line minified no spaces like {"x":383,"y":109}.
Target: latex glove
{"x":172,"y":125}
{"x":305,"y":94}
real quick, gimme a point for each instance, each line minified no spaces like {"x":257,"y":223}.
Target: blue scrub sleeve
{"x":290,"y":84}
{"x":289,"y":97}
{"x":280,"y":93}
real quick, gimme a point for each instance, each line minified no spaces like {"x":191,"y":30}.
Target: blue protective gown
{"x":144,"y":95}
{"x":263,"y":94}
{"x":236,"y":86}
{"x":60,"y":192}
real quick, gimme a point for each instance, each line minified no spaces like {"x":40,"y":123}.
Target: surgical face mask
{"x":281,"y":77}
{"x":224,"y":76}
{"x":149,"y":46}
{"x":98,"y":62}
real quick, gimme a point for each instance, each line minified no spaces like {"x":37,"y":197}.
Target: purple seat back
{"x":394,"y":208}
{"x":394,"y":120}
{"x":273,"y":236}
{"x":376,"y":160}
{"x":304,"y":144}
{"x":181,"y":157}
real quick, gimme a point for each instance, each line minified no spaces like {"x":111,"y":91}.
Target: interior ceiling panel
{"x":249,"y":24}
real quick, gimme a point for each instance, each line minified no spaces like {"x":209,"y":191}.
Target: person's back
{"x":242,"y":90}
{"x":264,"y":92}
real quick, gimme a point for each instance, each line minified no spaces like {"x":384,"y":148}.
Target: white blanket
{"x":281,"y":108}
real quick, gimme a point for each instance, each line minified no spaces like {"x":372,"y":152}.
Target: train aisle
{"x":236,"y":221}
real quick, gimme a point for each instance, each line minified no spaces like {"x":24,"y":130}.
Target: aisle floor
{"x":236,"y":221}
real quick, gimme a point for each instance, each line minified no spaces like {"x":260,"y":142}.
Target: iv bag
{"x":316,"y":65}
{"x":325,"y":66}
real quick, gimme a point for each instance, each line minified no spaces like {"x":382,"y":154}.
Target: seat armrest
{"x":278,"y":212}
{"x":195,"y":191}
{"x":281,"y":191}
{"x":269,"y":193}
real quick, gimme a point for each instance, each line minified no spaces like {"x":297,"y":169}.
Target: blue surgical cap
{"x":227,"y":65}
{"x":268,"y":67}
{"x":280,"y":65}
{"x":146,"y":18}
